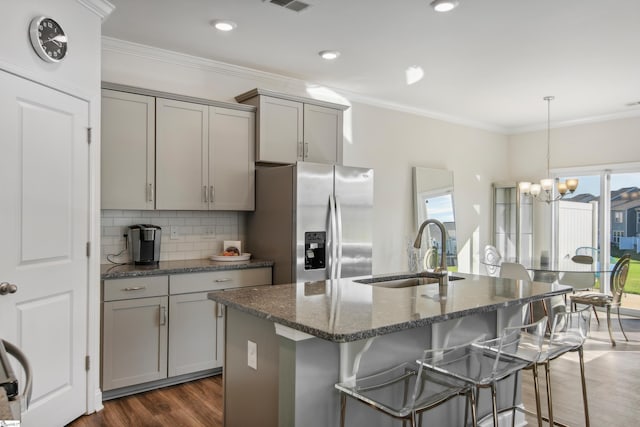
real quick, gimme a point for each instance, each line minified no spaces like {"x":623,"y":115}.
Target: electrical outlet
{"x":252,"y":355}
{"x":209,"y":233}
{"x":174,"y":233}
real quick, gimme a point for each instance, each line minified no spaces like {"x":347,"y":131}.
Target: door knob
{"x":7,"y":288}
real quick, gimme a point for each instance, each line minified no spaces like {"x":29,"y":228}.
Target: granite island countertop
{"x":344,"y":310}
{"x":119,"y":271}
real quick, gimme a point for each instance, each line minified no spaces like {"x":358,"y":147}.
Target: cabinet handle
{"x":151,"y":192}
{"x":305,"y":150}
{"x":301,"y":150}
{"x":163,"y":315}
{"x":212,"y":193}
{"x":134,"y":288}
{"x":222,"y":280}
{"x":206,"y":194}
{"x":219,"y":310}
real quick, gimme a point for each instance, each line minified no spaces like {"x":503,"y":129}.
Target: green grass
{"x":633,"y":279}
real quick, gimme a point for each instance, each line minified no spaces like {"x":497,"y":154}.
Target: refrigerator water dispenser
{"x":314,"y":250}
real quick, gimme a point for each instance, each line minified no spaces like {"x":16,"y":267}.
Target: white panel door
{"x":44,"y":199}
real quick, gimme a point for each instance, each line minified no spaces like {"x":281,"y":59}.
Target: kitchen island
{"x":287,"y":345}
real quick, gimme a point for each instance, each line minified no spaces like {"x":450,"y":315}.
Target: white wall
{"x":392,"y":143}
{"x":389,"y":141}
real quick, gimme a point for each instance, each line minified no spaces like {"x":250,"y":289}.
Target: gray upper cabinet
{"x":204,"y":157}
{"x":182,"y":155}
{"x":291,"y":128}
{"x":322,"y":134}
{"x":173,"y":152}
{"x":231,"y":159}
{"x":128,"y":150}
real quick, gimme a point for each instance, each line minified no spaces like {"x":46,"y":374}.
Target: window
{"x":618,"y":217}
{"x":615,"y":237}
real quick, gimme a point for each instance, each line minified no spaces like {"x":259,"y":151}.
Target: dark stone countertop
{"x":345,"y":310}
{"x":115,"y":271}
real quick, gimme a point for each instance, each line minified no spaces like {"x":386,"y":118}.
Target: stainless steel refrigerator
{"x":315,"y":221}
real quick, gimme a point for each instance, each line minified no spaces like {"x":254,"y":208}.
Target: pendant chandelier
{"x":545,"y":191}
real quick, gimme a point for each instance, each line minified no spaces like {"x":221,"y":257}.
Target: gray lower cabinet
{"x":134,"y":325}
{"x":193,"y":348}
{"x":158,"y":328}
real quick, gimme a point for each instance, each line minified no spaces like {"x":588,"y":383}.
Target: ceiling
{"x":488,"y":63}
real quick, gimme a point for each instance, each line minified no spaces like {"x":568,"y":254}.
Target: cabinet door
{"x":193,"y":343}
{"x":134,"y":346}
{"x":322,"y":134}
{"x":182,"y":155}
{"x":128,"y":150}
{"x":231,"y":159}
{"x":280,"y":135}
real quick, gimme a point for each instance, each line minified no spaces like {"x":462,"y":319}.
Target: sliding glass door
{"x":604,"y":227}
{"x":624,"y":203}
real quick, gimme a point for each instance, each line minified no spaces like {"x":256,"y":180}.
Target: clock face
{"x":48,"y":39}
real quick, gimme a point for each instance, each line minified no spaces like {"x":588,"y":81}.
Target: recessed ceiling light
{"x":223,"y":25}
{"x":329,"y":54}
{"x":444,"y":5}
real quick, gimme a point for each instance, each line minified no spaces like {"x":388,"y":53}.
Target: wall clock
{"x":48,"y":39}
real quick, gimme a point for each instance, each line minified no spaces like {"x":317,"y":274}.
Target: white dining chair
{"x":514,"y":270}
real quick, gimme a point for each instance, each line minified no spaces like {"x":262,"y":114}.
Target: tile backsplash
{"x":197,"y":234}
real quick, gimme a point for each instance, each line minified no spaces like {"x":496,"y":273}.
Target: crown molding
{"x":190,"y":61}
{"x":576,"y":122}
{"x":181,"y":59}
{"x":102,"y":8}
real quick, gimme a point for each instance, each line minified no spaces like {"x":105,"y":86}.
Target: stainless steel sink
{"x":405,"y":280}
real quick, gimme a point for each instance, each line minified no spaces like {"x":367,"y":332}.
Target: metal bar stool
{"x":568,"y":334}
{"x":491,"y":361}
{"x":407,"y":390}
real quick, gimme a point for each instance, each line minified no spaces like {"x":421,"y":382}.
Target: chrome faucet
{"x":442,"y":270}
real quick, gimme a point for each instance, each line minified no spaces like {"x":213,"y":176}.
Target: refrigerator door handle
{"x":338,"y":237}
{"x":334,"y":236}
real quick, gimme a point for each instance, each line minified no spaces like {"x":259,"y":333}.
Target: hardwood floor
{"x":613,"y":383}
{"x":196,"y":403}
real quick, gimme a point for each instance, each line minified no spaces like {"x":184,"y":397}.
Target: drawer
{"x":135,"y":287}
{"x":216,"y":280}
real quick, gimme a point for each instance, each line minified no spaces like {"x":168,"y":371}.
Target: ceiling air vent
{"x":295,"y":5}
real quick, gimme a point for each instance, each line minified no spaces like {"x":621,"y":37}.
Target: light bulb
{"x":444,"y":5}
{"x":572,"y":184}
{"x":525,"y":187}
{"x":329,"y":54}
{"x":546,"y":184}
{"x":562,"y":188}
{"x":225,"y":26}
{"x":535,"y":190}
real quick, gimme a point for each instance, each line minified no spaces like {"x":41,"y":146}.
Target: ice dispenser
{"x":314,"y":250}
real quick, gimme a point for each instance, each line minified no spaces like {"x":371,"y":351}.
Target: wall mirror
{"x":433,"y":192}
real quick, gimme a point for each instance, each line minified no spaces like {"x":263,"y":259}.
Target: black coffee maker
{"x":144,"y":243}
